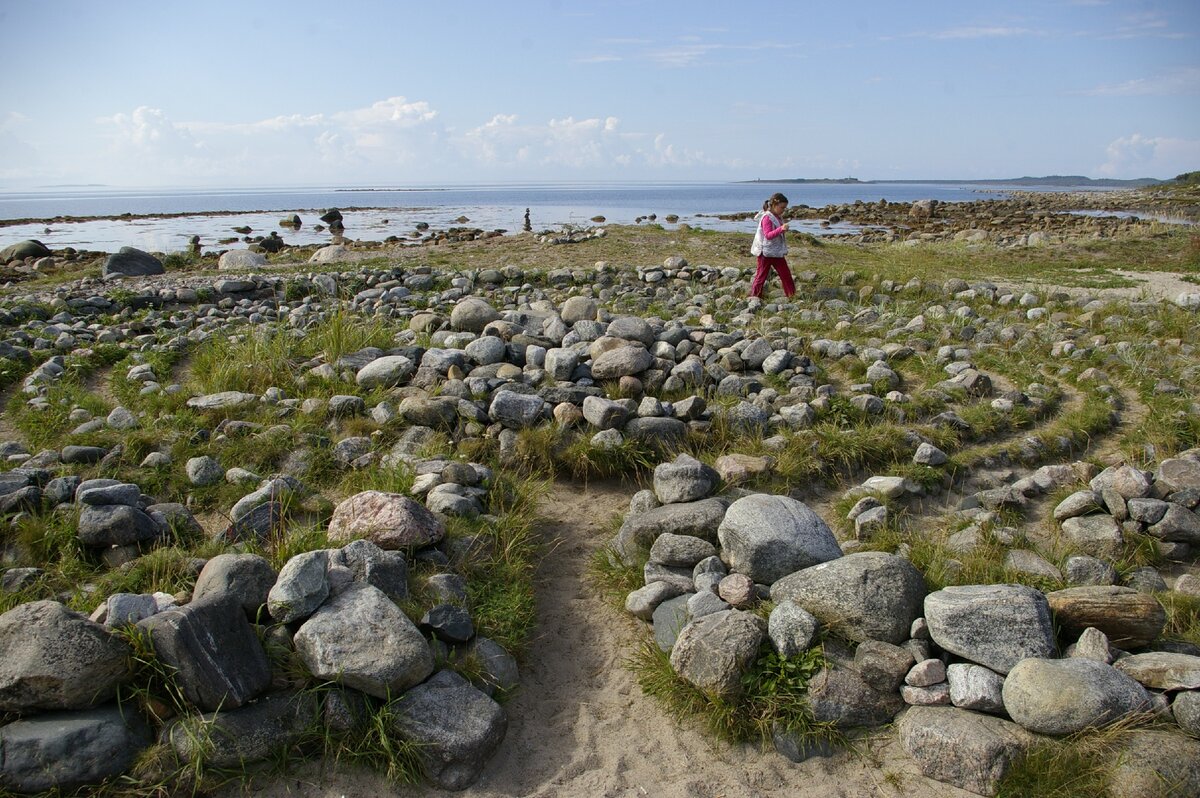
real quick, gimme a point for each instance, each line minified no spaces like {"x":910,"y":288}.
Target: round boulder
{"x":768,"y":537}
{"x":472,"y":314}
{"x":1064,"y":696}
{"x":389,"y":520}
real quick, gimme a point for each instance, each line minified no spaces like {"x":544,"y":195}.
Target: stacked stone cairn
{"x":973,"y":674}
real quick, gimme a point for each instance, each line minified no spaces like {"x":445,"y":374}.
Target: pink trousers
{"x":764,"y":270}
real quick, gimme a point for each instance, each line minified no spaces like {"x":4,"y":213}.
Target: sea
{"x":374,"y":213}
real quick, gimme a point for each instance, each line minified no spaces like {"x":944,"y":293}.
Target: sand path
{"x":580,"y":726}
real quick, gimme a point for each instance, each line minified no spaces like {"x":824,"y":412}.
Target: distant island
{"x":1049,"y":180}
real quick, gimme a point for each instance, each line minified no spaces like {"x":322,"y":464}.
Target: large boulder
{"x":246,"y":577}
{"x":30,"y":248}
{"x":516,"y":410}
{"x":869,"y":595}
{"x":115,"y":525}
{"x":697,"y":519}
{"x":844,"y":697}
{"x":768,"y":537}
{"x":1095,"y":535}
{"x":1064,"y":696}
{"x":455,"y":727}
{"x":53,"y":658}
{"x":472,"y":314}
{"x":218,"y":659}
{"x":385,"y":372}
{"x":131,"y":262}
{"x":623,"y":361}
{"x":65,"y":750}
{"x":1178,"y":473}
{"x":970,"y":751}
{"x":685,"y":479}
{"x":1129,"y":482}
{"x":232,"y":738}
{"x":992,"y":625}
{"x":579,"y":308}
{"x":713,"y":652}
{"x":1156,"y":763}
{"x":1128,"y":618}
{"x":389,"y":520}
{"x":362,"y":639}
{"x":241,"y":260}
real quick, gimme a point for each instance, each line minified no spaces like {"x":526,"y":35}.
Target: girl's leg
{"x":760,"y":277}
{"x":785,"y":277}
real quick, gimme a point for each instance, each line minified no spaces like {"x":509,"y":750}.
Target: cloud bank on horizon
{"x":225,"y":94}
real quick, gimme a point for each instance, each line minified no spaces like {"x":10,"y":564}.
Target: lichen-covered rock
{"x":768,"y":537}
{"x":993,"y":625}
{"x":971,"y":751}
{"x":714,"y":652}
{"x":389,"y":520}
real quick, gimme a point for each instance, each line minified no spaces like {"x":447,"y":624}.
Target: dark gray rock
{"x":115,"y":525}
{"x":698,"y":519}
{"x":449,"y":623}
{"x":768,"y":537}
{"x":65,"y":750}
{"x":235,"y":737}
{"x":454,"y":726}
{"x":843,"y":697}
{"x":685,"y":479}
{"x":864,"y":596}
{"x":498,"y":667}
{"x":883,"y":665}
{"x":714,"y":652}
{"x":670,"y":617}
{"x":248,"y":578}
{"x":970,"y":751}
{"x":219,"y":660}
{"x":131,"y":262}
{"x":386,"y":570}
{"x":992,"y":625}
{"x":53,"y":658}
{"x":302,"y":585}
{"x":661,"y":431}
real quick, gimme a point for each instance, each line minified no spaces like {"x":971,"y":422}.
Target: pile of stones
{"x":982,"y":669}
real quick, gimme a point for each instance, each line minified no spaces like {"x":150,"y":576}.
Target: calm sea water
{"x":389,"y":211}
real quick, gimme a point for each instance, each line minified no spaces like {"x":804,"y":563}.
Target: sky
{"x":243,"y":93}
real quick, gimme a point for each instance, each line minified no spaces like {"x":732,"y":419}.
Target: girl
{"x":770,"y":247}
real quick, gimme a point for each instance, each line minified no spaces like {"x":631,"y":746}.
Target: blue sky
{"x":246,"y":93}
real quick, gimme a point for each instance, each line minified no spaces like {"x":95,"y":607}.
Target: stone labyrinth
{"x":261,"y":512}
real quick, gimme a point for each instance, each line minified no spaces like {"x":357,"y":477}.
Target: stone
{"x":1081,"y":502}
{"x":1030,"y":563}
{"x":1186,"y":711}
{"x":204,"y":471}
{"x":992,"y":625}
{"x":1095,"y":535}
{"x":791,"y":628}
{"x":604,"y":413}
{"x":1064,"y":696}
{"x":738,"y":591}
{"x":930,"y":455}
{"x":1155,"y":763}
{"x":975,"y":687}
{"x":768,"y":537}
{"x":926,"y":673}
{"x":115,"y":525}
{"x":392,"y":521}
{"x":1162,"y":670}
{"x":1178,"y":473}
{"x":685,"y":479}
{"x":371,"y":565}
{"x":883,"y":665}
{"x":362,"y":639}
{"x":714,"y":652}
{"x":970,"y":751}
{"x":302,"y":585}
{"x":698,"y":519}
{"x":219,"y":661}
{"x":472,"y":315}
{"x":131,"y":262}
{"x":248,"y":578}
{"x":224,"y":400}
{"x":669,"y":619}
{"x":385,"y":372}
{"x":53,"y":658}
{"x":934,"y":695}
{"x":241,"y":260}
{"x":1177,"y":524}
{"x":455,"y":728}
{"x":234,"y":738}
{"x":1092,"y":644}
{"x":844,"y":698}
{"x":499,"y":668}
{"x":515,"y":410}
{"x":862,"y":596}
{"x":66,"y":750}
{"x":1129,"y":619}
{"x":579,"y":308}
{"x":642,"y":603}
{"x":1080,"y":569}
{"x":680,"y":551}
{"x":1129,"y":482}
{"x":735,"y":469}
{"x":449,"y":623}
{"x":623,"y":361}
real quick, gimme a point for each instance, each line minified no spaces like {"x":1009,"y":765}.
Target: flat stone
{"x":1130,"y":619}
{"x":970,"y":751}
{"x":1162,"y":670}
{"x":992,"y":625}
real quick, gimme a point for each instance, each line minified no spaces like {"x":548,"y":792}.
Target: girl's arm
{"x":769,"y":229}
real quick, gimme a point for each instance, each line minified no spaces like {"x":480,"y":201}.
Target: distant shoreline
{"x":1055,"y":181}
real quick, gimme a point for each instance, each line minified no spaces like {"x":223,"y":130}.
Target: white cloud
{"x":1149,"y":156}
{"x":1179,"y":81}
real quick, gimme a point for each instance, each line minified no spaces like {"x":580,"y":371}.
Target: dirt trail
{"x":580,"y":726}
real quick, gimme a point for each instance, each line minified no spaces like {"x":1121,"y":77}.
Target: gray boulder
{"x":698,"y":519}
{"x":219,"y":661}
{"x":869,"y":595}
{"x":302,"y":585}
{"x":642,"y":603}
{"x":1162,"y":670}
{"x":233,"y":738}
{"x":369,"y":564}
{"x":768,"y":537}
{"x":472,"y":314}
{"x":623,"y":361}
{"x":713,"y":652}
{"x":362,"y":639}
{"x":970,"y":751}
{"x":115,"y":525}
{"x":53,"y":658}
{"x":669,"y":618}
{"x":454,"y":726}
{"x":975,"y":687}
{"x":846,"y":699}
{"x":1095,"y":535}
{"x":65,"y":750}
{"x":516,"y":410}
{"x":385,"y":372}
{"x":604,"y":413}
{"x":248,"y":578}
{"x":1064,"y":696}
{"x":686,"y":479}
{"x":883,"y":665}
{"x":131,"y":262}
{"x":680,"y":551}
{"x":1129,"y":482}
{"x":222,"y":401}
{"x":992,"y":625}
{"x":1155,"y":763}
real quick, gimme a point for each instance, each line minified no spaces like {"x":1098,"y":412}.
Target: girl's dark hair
{"x":776,"y":197}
